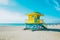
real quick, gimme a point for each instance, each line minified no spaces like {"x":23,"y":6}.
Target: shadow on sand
{"x":56,"y":30}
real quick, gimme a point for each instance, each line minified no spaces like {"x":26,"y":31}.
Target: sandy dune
{"x":17,"y":33}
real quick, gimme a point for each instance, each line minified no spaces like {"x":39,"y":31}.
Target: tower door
{"x":35,"y":20}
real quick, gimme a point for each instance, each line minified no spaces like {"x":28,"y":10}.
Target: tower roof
{"x":35,"y":13}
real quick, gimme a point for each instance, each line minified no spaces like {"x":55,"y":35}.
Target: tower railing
{"x":32,"y":21}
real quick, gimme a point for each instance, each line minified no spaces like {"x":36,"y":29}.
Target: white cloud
{"x":14,"y":17}
{"x":50,"y":19}
{"x":57,"y":7}
{"x":4,"y":2}
{"x":56,"y":2}
{"x":10,"y":17}
{"x":8,"y":2}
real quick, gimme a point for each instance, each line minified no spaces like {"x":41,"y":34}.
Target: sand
{"x":17,"y":33}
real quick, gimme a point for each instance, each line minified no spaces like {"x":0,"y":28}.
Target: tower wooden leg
{"x":34,"y":28}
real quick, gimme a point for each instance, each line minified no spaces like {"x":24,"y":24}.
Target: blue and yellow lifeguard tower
{"x":34,"y":22}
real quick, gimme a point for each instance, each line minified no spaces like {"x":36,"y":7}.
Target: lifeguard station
{"x":34,"y":22}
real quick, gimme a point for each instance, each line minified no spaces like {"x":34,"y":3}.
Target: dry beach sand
{"x":17,"y":33}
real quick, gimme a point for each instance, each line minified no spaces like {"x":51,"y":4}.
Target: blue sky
{"x":13,"y":11}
